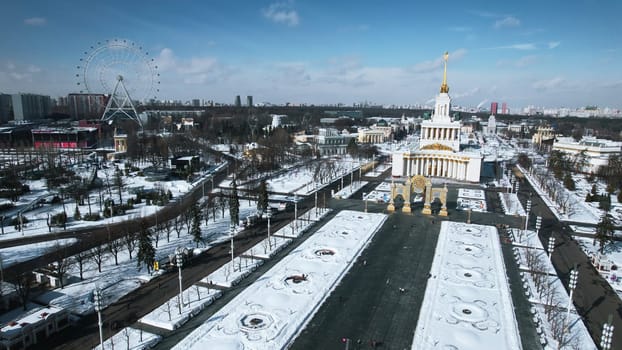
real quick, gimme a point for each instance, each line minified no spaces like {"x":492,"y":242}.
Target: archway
{"x":418,"y":186}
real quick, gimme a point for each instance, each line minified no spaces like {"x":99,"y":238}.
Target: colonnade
{"x":436,"y":167}
{"x":372,"y":138}
{"x":433,"y":133}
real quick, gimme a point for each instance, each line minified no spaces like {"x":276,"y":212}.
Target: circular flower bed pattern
{"x":324,"y":252}
{"x":255,"y":321}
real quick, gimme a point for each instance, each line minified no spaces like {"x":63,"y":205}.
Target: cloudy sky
{"x":545,"y":53}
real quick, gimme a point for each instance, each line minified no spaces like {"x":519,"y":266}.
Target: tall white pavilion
{"x":438,"y":152}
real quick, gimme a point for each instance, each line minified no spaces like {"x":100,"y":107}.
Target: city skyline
{"x":527,"y":53}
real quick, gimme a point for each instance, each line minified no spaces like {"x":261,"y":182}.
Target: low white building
{"x":597,"y":151}
{"x":33,"y":327}
{"x":330,"y":142}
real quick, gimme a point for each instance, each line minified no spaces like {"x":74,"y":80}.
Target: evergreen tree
{"x":195,"y":230}
{"x":146,"y":251}
{"x":352,"y":148}
{"x":262,"y":197}
{"x":569,"y":182}
{"x":234,"y":204}
{"x":604,"y":231}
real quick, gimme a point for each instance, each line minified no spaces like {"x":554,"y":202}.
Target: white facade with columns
{"x":438,"y":152}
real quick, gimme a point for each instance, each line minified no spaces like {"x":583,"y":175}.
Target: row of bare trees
{"x":554,"y":309}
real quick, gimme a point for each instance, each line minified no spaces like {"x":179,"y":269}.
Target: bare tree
{"x":114,"y":247}
{"x":198,"y":290}
{"x":157,"y":233}
{"x":168,"y":229}
{"x":187,"y":218}
{"x":98,"y":255}
{"x":81,"y":258}
{"x":222,"y":203}
{"x":61,"y":264}
{"x":22,"y":285}
{"x":178,"y":224}
{"x":130,"y":242}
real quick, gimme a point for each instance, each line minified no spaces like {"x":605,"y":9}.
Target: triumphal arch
{"x":418,"y":185}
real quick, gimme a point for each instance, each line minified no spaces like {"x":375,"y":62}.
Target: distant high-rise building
{"x":504,"y":108}
{"x":6,"y":108}
{"x":196,"y":102}
{"x":86,"y":106}
{"x":493,"y":108}
{"x":30,"y":106}
{"x":61,"y":101}
{"x":238,"y":102}
{"x":249,"y":101}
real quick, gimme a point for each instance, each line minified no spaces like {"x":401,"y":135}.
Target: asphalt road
{"x":368,"y":306}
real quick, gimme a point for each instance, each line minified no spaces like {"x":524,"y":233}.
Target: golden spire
{"x":444,"y":87}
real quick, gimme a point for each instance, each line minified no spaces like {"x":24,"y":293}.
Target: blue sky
{"x":543,"y":53}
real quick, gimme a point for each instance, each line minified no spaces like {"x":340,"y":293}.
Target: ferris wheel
{"x":119,"y":68}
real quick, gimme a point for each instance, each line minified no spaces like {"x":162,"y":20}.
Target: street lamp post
{"x":316,"y":199}
{"x":232,"y":234}
{"x":538,"y":224}
{"x":605,"y":339}
{"x":295,"y":212}
{"x":365,"y":199}
{"x":527,"y":214}
{"x":351,"y":179}
{"x":269,"y":215}
{"x":97,"y":298}
{"x":360,"y":172}
{"x":572,"y":284}
{"x":551,"y":247}
{"x":179,"y":261}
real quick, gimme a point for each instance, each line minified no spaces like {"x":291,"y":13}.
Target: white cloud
{"x":196,"y":70}
{"x":526,"y":46}
{"x":282,"y":12}
{"x":548,"y":84}
{"x":507,"y":22}
{"x":553,"y":44}
{"x":20,"y":72}
{"x":519,"y":63}
{"x":468,"y":93}
{"x":35,"y":21}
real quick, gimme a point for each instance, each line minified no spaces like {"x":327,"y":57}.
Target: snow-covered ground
{"x":170,"y":315}
{"x":12,"y":255}
{"x":37,"y":217}
{"x":580,"y":212}
{"x":305,"y":179}
{"x":473,"y":199}
{"x":511,"y":205}
{"x":131,"y":339}
{"x":550,"y":298}
{"x":467,"y":302}
{"x":349,"y":190}
{"x":115,"y":281}
{"x":612,"y":256}
{"x":269,"y":313}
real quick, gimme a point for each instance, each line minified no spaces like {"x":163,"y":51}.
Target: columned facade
{"x":438,"y":152}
